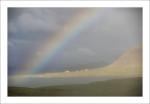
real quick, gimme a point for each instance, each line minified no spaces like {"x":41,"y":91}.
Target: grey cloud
{"x":108,"y":35}
{"x":37,"y":19}
{"x":85,"y":51}
{"x":12,"y":28}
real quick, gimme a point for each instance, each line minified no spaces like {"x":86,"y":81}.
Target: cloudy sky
{"x":98,"y":44}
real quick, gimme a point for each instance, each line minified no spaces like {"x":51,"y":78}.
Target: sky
{"x":97,"y":42}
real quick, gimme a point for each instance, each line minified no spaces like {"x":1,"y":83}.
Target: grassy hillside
{"x":115,"y":87}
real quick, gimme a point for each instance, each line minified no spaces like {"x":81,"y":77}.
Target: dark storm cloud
{"x":111,"y":33}
{"x":37,"y":19}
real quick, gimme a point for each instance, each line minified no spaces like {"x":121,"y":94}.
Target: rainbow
{"x":53,"y":45}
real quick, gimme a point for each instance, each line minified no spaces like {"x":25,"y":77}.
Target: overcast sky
{"x":100,"y":43}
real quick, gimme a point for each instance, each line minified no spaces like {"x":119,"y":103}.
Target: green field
{"x":115,"y":87}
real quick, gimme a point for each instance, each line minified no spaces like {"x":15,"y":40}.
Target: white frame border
{"x":120,"y":100}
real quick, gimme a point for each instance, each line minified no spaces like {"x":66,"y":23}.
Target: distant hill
{"x":131,"y":58}
{"x":128,"y":64}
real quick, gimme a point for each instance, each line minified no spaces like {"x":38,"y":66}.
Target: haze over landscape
{"x":93,"y":47}
{"x":129,"y":64}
